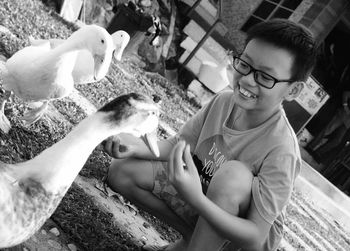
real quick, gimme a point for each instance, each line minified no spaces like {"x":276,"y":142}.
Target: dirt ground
{"x":79,"y":217}
{"x":86,"y":219}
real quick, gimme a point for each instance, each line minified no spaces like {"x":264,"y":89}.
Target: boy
{"x":232,"y":166}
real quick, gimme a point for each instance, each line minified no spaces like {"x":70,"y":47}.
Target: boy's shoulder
{"x":282,"y":133}
{"x":223,"y":96}
{"x":220,"y":100}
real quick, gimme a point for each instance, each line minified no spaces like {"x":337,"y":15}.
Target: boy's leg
{"x":134,"y":179}
{"x":230,"y":188}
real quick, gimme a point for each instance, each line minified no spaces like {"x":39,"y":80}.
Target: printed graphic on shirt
{"x":210,"y":155}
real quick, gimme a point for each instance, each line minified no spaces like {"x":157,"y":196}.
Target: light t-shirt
{"x":271,"y":151}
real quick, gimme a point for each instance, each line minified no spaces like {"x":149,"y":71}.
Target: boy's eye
{"x":243,"y":65}
{"x":265,"y":77}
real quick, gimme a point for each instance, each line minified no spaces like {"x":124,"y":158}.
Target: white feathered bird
{"x":31,"y":191}
{"x":42,"y":73}
{"x":83,"y":71}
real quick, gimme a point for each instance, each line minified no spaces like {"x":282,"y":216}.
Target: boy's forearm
{"x":242,"y":232}
{"x":164,"y":151}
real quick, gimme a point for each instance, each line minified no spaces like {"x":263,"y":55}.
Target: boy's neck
{"x":246,"y":120}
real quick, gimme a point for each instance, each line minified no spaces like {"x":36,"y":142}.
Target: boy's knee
{"x":231,"y":186}
{"x":118,"y":174}
{"x":126,"y":175}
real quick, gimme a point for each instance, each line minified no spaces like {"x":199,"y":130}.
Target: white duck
{"x":39,"y":73}
{"x":30,"y":191}
{"x":83,"y":71}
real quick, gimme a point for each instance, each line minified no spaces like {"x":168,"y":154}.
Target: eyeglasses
{"x":260,"y":77}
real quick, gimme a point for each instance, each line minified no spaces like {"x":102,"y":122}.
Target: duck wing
{"x":35,"y":72}
{"x":83,"y":71}
{"x":20,"y":203}
{"x":53,"y":42}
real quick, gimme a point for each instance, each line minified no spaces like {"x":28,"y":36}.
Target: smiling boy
{"x":232,"y":166}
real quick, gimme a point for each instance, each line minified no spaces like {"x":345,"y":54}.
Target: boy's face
{"x":272,"y":60}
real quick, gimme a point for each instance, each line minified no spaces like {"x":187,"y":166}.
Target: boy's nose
{"x":249,"y":79}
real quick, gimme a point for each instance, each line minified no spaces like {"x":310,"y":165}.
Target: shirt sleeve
{"x":273,"y":185}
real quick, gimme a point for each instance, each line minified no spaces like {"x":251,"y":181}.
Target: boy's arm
{"x":249,"y":233}
{"x":165,"y":146}
{"x":126,"y":145}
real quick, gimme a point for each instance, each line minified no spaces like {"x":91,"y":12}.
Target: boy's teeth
{"x":246,"y":93}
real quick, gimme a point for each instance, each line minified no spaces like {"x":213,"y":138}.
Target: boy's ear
{"x":294,"y":90}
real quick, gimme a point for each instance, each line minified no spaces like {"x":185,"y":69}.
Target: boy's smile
{"x":246,"y":93}
{"x":255,"y":99}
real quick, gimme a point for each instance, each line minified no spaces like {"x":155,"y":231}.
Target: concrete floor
{"x":322,"y":192}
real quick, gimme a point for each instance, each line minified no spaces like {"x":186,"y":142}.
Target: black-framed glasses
{"x":260,"y":77}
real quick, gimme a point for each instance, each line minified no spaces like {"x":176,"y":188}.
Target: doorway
{"x":332,"y":71}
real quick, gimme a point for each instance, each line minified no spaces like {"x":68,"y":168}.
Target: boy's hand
{"x":115,"y":148}
{"x":183,"y":173}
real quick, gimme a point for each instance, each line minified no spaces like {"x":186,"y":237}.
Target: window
{"x":271,"y":9}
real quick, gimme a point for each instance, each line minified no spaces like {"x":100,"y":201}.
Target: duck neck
{"x":76,"y":42}
{"x":69,"y":48}
{"x":57,"y":167}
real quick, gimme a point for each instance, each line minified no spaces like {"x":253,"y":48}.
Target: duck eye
{"x":156,"y":98}
{"x":102,"y":41}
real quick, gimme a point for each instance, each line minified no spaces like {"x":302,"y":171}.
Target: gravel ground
{"x":78,"y":216}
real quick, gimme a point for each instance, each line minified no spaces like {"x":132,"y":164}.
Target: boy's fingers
{"x":187,"y":155}
{"x":175,"y":160}
{"x":191,"y":166}
{"x":102,"y":145}
{"x":115,"y":145}
{"x":108,"y":146}
{"x":178,"y":157}
{"x":171,"y":164}
{"x":112,"y":145}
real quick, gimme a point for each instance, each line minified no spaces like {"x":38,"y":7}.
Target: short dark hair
{"x":291,"y":36}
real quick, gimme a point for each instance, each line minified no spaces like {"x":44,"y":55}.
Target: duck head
{"x":100,"y":44}
{"x":136,"y":114}
{"x":121,"y":39}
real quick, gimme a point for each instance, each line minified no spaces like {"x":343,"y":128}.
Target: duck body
{"x":36,"y":67}
{"x":31,"y":191}
{"x":42,"y":74}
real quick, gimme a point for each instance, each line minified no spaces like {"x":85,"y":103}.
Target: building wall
{"x":323,"y":15}
{"x":301,"y":10}
{"x":318,"y":15}
{"x":234,"y":14}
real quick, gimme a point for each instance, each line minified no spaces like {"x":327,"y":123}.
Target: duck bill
{"x":101,"y":66}
{"x":150,"y":140}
